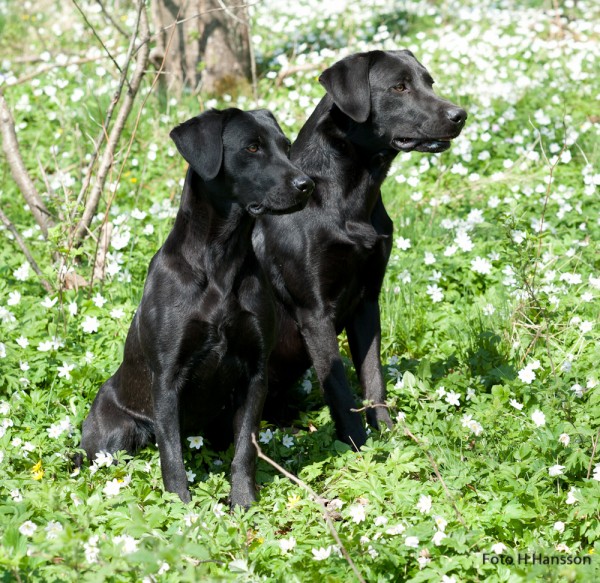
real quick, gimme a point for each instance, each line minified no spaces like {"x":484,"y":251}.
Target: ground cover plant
{"x":490,"y":314}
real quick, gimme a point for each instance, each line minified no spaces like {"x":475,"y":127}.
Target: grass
{"x":489,"y":317}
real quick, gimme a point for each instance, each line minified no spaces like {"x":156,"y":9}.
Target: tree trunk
{"x":209,"y":51}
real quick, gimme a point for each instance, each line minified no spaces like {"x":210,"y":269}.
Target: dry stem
{"x":315,"y":498}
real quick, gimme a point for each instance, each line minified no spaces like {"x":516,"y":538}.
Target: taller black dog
{"x":327,"y":262}
{"x":197,"y":349}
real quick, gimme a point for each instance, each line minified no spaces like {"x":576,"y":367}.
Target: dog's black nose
{"x":303,"y":184}
{"x":456,"y":115}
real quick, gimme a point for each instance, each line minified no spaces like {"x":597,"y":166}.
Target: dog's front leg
{"x":321,"y":342}
{"x":364,"y":338}
{"x":246,"y":421}
{"x":165,"y":394}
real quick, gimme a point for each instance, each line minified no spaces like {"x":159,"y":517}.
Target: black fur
{"x":197,"y":350}
{"x":327,"y":262}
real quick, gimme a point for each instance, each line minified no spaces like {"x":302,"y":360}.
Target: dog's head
{"x":244,"y":155}
{"x":389,"y":95}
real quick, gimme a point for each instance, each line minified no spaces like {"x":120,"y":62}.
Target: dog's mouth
{"x":420,"y":145}
{"x":257,"y":209}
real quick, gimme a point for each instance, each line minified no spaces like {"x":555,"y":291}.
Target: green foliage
{"x":489,"y":316}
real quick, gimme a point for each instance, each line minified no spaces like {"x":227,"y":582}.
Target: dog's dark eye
{"x":252,"y":148}
{"x":399,"y":88}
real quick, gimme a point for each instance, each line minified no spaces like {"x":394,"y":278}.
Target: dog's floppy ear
{"x":199,"y":140}
{"x":347,"y":81}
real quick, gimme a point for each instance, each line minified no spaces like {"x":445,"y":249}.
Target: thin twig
{"x":372,"y":406}
{"x":594,"y":446}
{"x":296,"y":69}
{"x":109,"y":17}
{"x":436,"y":469}
{"x":315,"y":498}
{"x":10,"y":145}
{"x":21,"y":243}
{"x":91,"y":27}
{"x":103,"y":135}
{"x":117,"y":129}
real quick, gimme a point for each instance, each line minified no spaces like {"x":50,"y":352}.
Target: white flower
{"x":596,"y":474}
{"x":98,"y":300}
{"x":441,"y":522}
{"x":559,"y":526}
{"x":64,"y":371}
{"x":16,"y":495}
{"x":14,"y":298}
{"x":127,"y":543}
{"x":577,"y":389}
{"x":488,"y":310}
{"x":586,"y":326}
{"x":164,"y":567}
{"x":463,"y":241}
{"x":103,"y":458}
{"x":516,"y":404}
{"x":138,"y":214}
{"x":265,"y":436}
{"x":218,"y":510}
{"x":90,"y":324}
{"x":498,"y":548}
{"x":54,"y":431}
{"x":287,"y":441}
{"x":191,"y":476}
{"x":563,"y":548}
{"x":335,"y":504}
{"x":120,"y":238}
{"x":424,"y":504}
{"x":357,"y":513}
{"x":446,"y":579}
{"x":72,"y":307}
{"x":438,"y":537}
{"x":564,"y":439}
{"x":411,"y":541}
{"x":480,"y":265}
{"x":556,"y":470}
{"x":22,"y":342}
{"x":53,"y":529}
{"x":322,"y":553}
{"x":435,"y":293}
{"x":112,"y":488}
{"x":382,"y":520}
{"x":91,"y":549}
{"x":28,"y":528}
{"x":527,"y":375}
{"x":48,"y":303}
{"x":2,"y":350}
{"x":287,"y":544}
{"x":196,"y":442}
{"x":403,"y":243}
{"x":429,"y":258}
{"x":423,"y":561}
{"x":538,"y":418}
{"x":22,"y":273}
{"x":396,"y":529}
{"x":571,"y":498}
{"x":453,"y":398}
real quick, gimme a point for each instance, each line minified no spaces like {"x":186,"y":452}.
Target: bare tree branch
{"x":316,"y":499}
{"x":23,"y":246}
{"x":10,"y":145}
{"x":115,"y":133}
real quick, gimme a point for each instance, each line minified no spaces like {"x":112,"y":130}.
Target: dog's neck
{"x":207,"y":224}
{"x":348,"y":163}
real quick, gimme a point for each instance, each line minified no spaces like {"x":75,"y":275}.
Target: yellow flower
{"x":293,"y":501}
{"x":37,"y":473}
{"x":133,"y":179}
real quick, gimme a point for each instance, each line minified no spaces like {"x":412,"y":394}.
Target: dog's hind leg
{"x":110,"y":428}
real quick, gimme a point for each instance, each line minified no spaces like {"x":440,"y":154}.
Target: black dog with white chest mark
{"x":328,"y":261}
{"x":197,"y":350}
